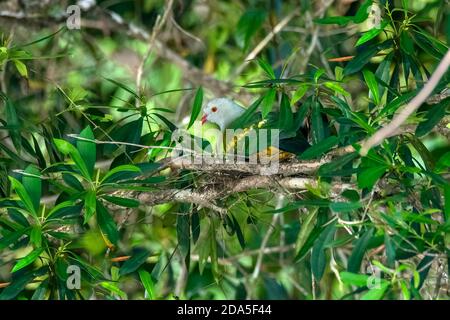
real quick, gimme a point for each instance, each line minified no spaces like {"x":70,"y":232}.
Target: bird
{"x":224,"y":112}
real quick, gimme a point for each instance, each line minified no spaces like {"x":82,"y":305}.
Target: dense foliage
{"x":86,"y":131}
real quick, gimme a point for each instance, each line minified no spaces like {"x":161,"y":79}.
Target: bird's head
{"x":221,"y":111}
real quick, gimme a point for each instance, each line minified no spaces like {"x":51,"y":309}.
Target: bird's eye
{"x":214,"y":109}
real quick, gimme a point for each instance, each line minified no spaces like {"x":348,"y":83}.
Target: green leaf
{"x":247,"y":115}
{"x":268,"y":102}
{"x":248,"y":25}
{"x":36,"y":236}
{"x":17,"y":286}
{"x":195,"y":226}
{"x":124,"y":202}
{"x":369,"y":176}
{"x":317,"y":123}
{"x":114,"y":289}
{"x":21,"y":68}
{"x":443,"y":162}
{"x":299,"y":93}
{"x":27,"y":260}
{"x":432,"y":118}
{"x":147,"y":282}
{"x":267,"y":68}
{"x":124,"y":87}
{"x":336,"y":88}
{"x":90,"y":205}
{"x":369,"y":35}
{"x":340,"y":20}
{"x":372,"y":83}
{"x":319,"y":148}
{"x":13,"y":124}
{"x":197,"y":107}
{"x":318,"y":255}
{"x":305,"y":230}
{"x":32,"y":184}
{"x":354,"y":279}
{"x":183,"y":234}
{"x":345,"y":206}
{"x":323,"y":203}
{"x":119,"y":169}
{"x":136,"y":260}
{"x":87,"y":149}
{"x":376,"y":293}
{"x":358,"y":62}
{"x":406,"y":43}
{"x":337,"y":163}
{"x":363,"y":12}
{"x":446,"y":204}
{"x":239,"y":233}
{"x":107,"y":224}
{"x":354,"y":262}
{"x":286,"y":115}
{"x":11,"y":238}
{"x":68,"y":149}
{"x":23,"y":195}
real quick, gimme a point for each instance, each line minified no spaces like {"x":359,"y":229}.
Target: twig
{"x":254,"y":53}
{"x":269,"y":232}
{"x":156,"y":29}
{"x":393,"y":127}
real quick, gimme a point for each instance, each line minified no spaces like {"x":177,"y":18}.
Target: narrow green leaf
{"x":68,"y":149}
{"x":107,"y":224}
{"x":432,"y":118}
{"x":183,"y":234}
{"x":319,"y":148}
{"x":286,"y":115}
{"x":136,"y":260}
{"x":13,"y":123}
{"x":369,"y":35}
{"x":318,"y":255}
{"x":36,"y":236}
{"x":23,"y":195}
{"x":124,"y":202}
{"x":354,"y":279}
{"x":248,"y":25}
{"x":27,"y":260}
{"x":33,"y":185}
{"x":90,"y":205}
{"x":345,"y":206}
{"x":317,"y":123}
{"x":119,"y":169}
{"x":197,"y":107}
{"x":376,"y":293}
{"x":87,"y":149}
{"x":247,"y":115}
{"x":268,"y":102}
{"x":355,"y":260}
{"x":372,"y":83}
{"x":336,"y":88}
{"x":369,"y":176}
{"x":21,"y":68}
{"x":267,"y":68}
{"x":299,"y":93}
{"x":148,"y":284}
{"x":339,"y":20}
{"x":11,"y":238}
{"x":305,"y":230}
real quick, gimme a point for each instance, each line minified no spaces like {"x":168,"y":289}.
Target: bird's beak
{"x":204,"y":119}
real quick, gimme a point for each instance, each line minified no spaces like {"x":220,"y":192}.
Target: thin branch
{"x":254,"y":53}
{"x":156,"y":29}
